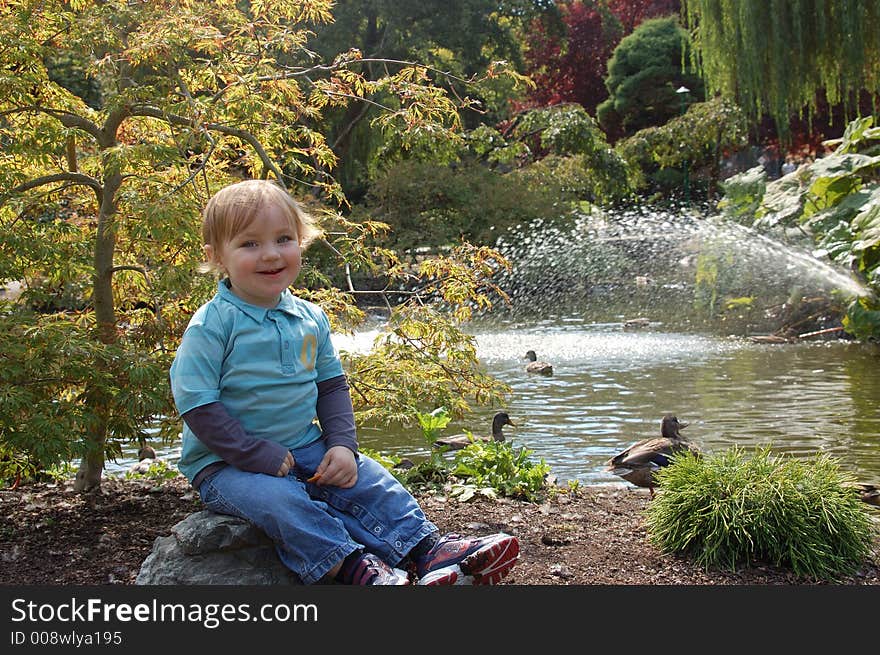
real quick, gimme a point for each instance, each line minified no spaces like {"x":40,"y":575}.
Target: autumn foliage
{"x":569,"y":60}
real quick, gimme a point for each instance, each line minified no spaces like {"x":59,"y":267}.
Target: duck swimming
{"x":638,"y":463}
{"x":536,"y":366}
{"x":459,"y":441}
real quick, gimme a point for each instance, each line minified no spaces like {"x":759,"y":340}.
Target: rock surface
{"x":213,"y":549}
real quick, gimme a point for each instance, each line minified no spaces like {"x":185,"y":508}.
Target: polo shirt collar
{"x":286,"y":304}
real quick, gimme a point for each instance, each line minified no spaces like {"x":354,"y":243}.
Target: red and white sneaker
{"x":457,"y":560}
{"x":370,"y":570}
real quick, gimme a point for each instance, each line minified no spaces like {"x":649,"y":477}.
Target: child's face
{"x":263,"y":259}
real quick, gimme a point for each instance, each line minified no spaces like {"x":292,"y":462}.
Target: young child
{"x":255,"y":368}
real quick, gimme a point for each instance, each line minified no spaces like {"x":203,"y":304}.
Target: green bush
{"x":428,"y":204}
{"x":489,"y":468}
{"x":728,"y":510}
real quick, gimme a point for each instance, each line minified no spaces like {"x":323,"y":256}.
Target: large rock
{"x":207,"y":548}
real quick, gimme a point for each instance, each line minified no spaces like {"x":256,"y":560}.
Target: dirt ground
{"x":50,"y":535}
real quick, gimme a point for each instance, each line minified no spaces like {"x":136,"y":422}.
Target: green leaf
{"x":866,"y":224}
{"x":862,"y":322}
{"x":783,"y":203}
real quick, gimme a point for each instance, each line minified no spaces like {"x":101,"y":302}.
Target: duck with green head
{"x":638,"y":463}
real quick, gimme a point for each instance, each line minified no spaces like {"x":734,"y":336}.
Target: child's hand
{"x":338,"y":468}
{"x":286,"y":465}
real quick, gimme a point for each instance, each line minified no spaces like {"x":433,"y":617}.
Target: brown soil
{"x":50,"y":535}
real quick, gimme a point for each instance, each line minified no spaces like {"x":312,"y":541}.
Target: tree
{"x":777,"y":58}
{"x":631,"y":13}
{"x":697,"y":139}
{"x":643,"y":75}
{"x":546,"y":162}
{"x":100,"y":207}
{"x":568,"y":58}
{"x":567,"y":64}
{"x":456,"y":42}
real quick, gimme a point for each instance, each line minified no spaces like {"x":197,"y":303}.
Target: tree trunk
{"x":88,"y":476}
{"x":92,"y":465}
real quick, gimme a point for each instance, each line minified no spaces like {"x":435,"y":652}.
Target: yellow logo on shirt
{"x":308,"y":353}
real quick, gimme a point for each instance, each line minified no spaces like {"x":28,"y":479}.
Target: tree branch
{"x":75,"y":178}
{"x":64,"y":117}
{"x":324,"y":68}
{"x":129,"y":267}
{"x":244,"y":135}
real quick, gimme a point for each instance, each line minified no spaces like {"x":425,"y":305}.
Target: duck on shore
{"x":146,"y":457}
{"x":638,"y":463}
{"x":459,"y":441}
{"x":868,"y":493}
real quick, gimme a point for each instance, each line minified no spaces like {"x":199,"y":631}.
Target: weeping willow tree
{"x":774,"y":57}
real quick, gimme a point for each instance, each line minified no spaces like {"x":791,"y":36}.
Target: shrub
{"x":428,"y":204}
{"x":727,"y":510}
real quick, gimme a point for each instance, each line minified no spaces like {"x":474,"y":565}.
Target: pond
{"x":610,"y":387}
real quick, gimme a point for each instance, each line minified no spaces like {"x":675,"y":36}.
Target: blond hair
{"x":234,"y":207}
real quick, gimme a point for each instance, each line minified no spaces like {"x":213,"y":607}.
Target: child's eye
{"x":248,"y":244}
{"x":285,"y":238}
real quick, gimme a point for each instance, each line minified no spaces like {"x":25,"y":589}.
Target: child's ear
{"x":208,"y":249}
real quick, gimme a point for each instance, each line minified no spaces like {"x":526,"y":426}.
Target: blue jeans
{"x":314,"y":528}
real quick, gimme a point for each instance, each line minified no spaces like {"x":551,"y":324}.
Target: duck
{"x":638,"y":463}
{"x":536,"y":366}
{"x":868,"y":493}
{"x":459,"y":441}
{"x":146,"y":457}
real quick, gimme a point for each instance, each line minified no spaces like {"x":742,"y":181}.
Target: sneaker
{"x":457,"y":560}
{"x":370,"y":570}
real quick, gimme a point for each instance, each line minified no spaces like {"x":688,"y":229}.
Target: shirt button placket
{"x":287,"y":362}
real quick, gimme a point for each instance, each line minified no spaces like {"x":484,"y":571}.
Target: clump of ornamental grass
{"x":729,"y":510}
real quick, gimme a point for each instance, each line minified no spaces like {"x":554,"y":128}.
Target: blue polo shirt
{"x":262,"y":364}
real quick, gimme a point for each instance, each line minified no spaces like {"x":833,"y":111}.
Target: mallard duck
{"x":868,"y":493}
{"x":637,"y":463}
{"x":146,"y":457}
{"x":535,"y":366}
{"x":459,"y":441}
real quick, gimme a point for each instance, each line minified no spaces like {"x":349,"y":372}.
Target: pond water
{"x":572,"y":285}
{"x":610,"y":387}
